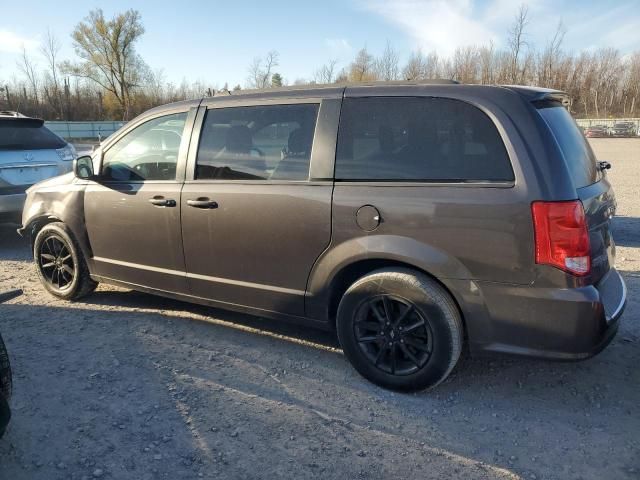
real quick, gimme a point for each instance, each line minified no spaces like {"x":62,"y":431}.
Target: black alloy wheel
{"x":56,"y":262}
{"x":393,"y":334}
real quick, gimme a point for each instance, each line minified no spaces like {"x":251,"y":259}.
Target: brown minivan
{"x":416,"y":219}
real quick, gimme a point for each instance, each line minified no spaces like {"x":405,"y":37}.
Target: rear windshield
{"x":25,"y":135}
{"x":575,"y":149}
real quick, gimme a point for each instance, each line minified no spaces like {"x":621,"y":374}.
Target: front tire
{"x":5,"y":387}
{"x":400,"y":329}
{"x":60,"y":264}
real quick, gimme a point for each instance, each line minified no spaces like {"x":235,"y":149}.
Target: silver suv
{"x":29,"y":153}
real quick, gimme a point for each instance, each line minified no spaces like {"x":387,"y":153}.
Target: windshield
{"x":19,"y":135}
{"x":575,"y":149}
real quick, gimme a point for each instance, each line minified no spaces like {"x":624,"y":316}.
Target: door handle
{"x":162,"y":202}
{"x":202,"y":203}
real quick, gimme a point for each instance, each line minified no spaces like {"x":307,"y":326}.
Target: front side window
{"x":418,"y":139}
{"x":148,"y":152}
{"x":257,"y":143}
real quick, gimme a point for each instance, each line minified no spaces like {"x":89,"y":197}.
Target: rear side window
{"x":257,"y":143}
{"x":27,"y":135}
{"x":418,"y":139}
{"x":574,"y":147}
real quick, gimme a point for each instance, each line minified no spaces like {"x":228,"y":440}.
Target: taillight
{"x":562,"y":236}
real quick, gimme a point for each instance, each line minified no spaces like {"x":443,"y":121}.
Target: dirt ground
{"x":124,"y":385}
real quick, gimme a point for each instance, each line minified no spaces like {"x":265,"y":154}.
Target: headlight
{"x":67,"y":153}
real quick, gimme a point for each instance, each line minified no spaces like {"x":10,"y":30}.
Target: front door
{"x":133,"y":211}
{"x":253,"y":220}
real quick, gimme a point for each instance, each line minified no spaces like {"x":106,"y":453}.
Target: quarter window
{"x":418,"y":139}
{"x":148,"y":152}
{"x":257,"y":143}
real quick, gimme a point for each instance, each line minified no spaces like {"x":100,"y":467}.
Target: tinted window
{"x":27,"y":135}
{"x":418,"y":139}
{"x":574,"y":147}
{"x":257,"y":143}
{"x":148,"y":152}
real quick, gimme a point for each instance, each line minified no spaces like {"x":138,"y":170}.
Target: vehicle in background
{"x":623,"y":129}
{"x":416,"y":219}
{"x":5,"y":372}
{"x":29,"y":153}
{"x":596,"y":131}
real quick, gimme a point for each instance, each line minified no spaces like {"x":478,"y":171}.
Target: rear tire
{"x":400,"y":329}
{"x":60,"y":264}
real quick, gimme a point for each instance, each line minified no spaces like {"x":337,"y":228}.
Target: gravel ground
{"x":124,"y":385}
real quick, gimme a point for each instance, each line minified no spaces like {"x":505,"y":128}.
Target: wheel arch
{"x":35,"y":224}
{"x":38,"y":222}
{"x":342,"y":265}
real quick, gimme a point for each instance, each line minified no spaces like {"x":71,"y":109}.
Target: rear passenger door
{"x":437,"y":172}
{"x":256,"y":205}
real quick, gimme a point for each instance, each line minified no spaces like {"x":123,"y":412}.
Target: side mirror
{"x":604,"y":165}
{"x":83,"y":168}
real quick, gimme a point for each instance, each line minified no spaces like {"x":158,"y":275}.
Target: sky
{"x":215,"y":41}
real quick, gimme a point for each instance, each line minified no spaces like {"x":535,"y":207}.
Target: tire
{"x":5,"y":372}
{"x":400,"y":329}
{"x":5,"y":388}
{"x":60,"y":264}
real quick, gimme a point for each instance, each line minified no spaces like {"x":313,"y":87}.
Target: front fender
{"x":56,"y":203}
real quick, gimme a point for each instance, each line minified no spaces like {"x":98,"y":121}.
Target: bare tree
{"x":465,"y":64}
{"x":551,"y":57}
{"x":631,"y":85}
{"x":421,"y":67}
{"x":326,"y":73}
{"x":261,"y":69}
{"x":488,"y":64}
{"x":362,"y":67}
{"x":387,"y":66}
{"x":50,"y":50}
{"x":414,"y":69}
{"x":28,"y":68}
{"x":107,"y":52}
{"x":517,"y":42}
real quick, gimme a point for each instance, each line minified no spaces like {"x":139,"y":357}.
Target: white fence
{"x":88,"y":130}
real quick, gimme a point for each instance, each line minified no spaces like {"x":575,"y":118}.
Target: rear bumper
{"x":11,"y":207}
{"x":560,"y":324}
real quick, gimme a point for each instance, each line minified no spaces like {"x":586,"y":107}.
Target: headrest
{"x":300,"y":141}
{"x":385,"y":137}
{"x":239,"y":139}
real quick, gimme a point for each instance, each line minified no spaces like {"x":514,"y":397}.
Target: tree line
{"x":110,"y":81}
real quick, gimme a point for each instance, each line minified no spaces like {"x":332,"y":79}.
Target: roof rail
{"x":427,"y":81}
{"x":314,"y":86}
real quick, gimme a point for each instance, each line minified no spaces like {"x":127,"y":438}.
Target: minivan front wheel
{"x":60,"y":264}
{"x":400,"y":329}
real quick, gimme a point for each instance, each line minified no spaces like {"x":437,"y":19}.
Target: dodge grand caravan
{"x":417,"y":220}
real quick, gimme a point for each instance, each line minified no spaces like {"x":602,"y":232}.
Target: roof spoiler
{"x":541,"y":96}
{"x":553,"y":97}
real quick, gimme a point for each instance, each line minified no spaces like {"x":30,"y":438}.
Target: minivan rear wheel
{"x":60,"y":264}
{"x":400,"y":329}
